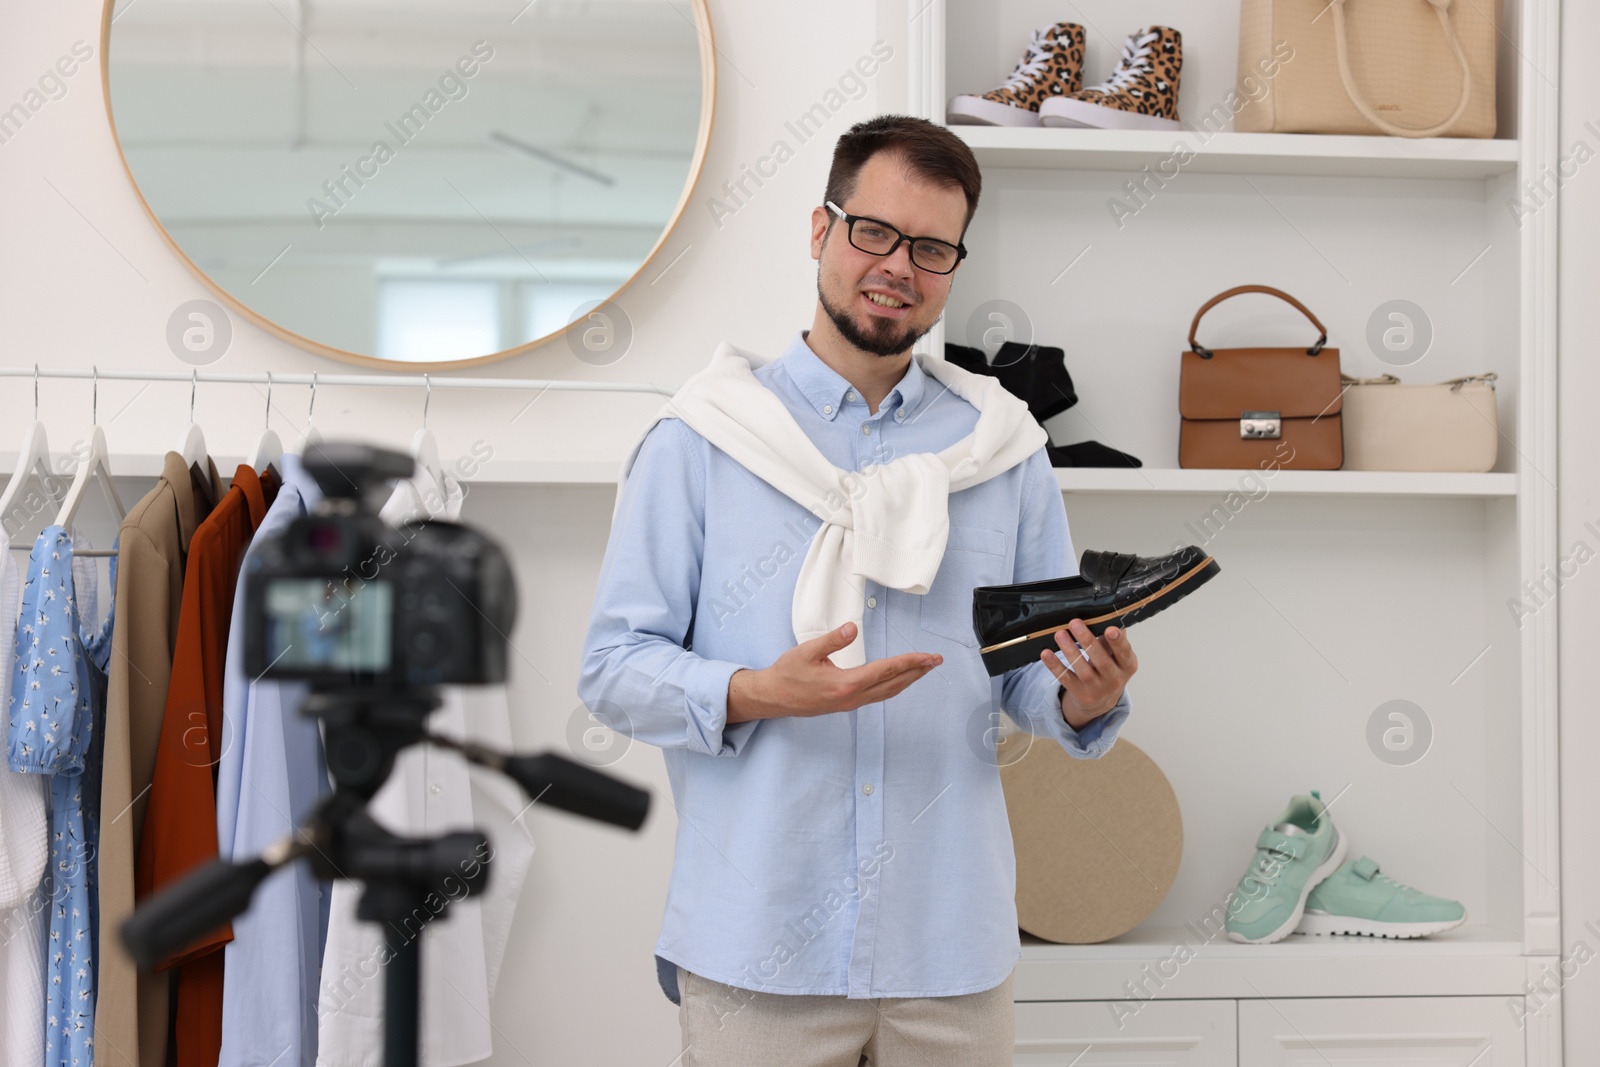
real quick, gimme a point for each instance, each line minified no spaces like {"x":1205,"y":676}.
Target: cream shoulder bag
{"x":1450,"y":426}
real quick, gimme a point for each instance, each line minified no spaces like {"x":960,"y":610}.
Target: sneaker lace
{"x":1134,"y":51}
{"x":1268,"y":869}
{"x":1033,"y":62}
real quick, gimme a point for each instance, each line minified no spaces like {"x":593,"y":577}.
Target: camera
{"x":343,"y":599}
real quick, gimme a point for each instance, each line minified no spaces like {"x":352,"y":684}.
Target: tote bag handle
{"x":1342,"y":47}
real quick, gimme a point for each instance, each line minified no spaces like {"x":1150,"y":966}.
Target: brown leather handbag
{"x":1260,"y":407}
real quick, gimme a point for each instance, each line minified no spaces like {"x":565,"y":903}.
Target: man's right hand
{"x":804,"y":681}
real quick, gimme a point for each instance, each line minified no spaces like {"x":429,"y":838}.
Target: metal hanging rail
{"x":425,"y":381}
{"x":315,"y":378}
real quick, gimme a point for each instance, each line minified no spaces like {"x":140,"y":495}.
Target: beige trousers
{"x":724,"y":1026}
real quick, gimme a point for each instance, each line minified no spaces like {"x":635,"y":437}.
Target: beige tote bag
{"x":1410,"y":68}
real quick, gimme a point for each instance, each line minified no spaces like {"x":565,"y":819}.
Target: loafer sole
{"x":1019,"y":651}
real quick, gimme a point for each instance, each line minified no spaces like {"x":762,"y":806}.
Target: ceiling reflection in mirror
{"x":421,"y":181}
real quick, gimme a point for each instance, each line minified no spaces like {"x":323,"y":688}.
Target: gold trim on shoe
{"x":1163,"y":591}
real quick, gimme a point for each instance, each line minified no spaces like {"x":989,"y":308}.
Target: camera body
{"x":342,"y":599}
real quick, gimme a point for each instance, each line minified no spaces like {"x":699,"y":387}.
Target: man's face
{"x":845,"y":274}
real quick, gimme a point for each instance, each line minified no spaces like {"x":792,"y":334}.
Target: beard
{"x":886,"y":337}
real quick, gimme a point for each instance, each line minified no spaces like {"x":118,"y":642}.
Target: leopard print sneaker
{"x":1052,"y":67}
{"x":1142,"y":94}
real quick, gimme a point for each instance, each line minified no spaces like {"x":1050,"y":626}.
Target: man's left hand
{"x":1100,"y":670}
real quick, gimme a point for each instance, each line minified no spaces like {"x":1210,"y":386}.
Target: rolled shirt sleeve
{"x":1031,"y":694}
{"x":638,"y":676}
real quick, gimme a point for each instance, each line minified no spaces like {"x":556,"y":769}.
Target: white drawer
{"x":1415,"y":1031}
{"x":1169,"y":1033}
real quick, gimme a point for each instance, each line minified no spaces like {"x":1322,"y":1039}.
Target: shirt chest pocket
{"x":973,"y":556}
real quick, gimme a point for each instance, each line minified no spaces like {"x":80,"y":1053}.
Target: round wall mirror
{"x":427,"y":183}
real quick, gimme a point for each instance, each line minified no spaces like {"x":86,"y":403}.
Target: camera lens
{"x":324,"y":538}
{"x":426,"y":644}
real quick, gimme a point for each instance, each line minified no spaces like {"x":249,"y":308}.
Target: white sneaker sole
{"x":1321,"y":923}
{"x":1082,"y":113}
{"x":976,"y":111}
{"x":1318,"y":876}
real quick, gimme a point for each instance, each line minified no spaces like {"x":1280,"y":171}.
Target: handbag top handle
{"x":1205,"y":353}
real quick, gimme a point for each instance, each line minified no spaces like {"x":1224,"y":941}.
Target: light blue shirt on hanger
{"x":864,"y":853}
{"x":271,"y":773}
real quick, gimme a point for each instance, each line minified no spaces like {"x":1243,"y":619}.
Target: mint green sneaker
{"x":1356,"y":899}
{"x":1294,"y":854}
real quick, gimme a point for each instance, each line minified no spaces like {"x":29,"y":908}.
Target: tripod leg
{"x":402,"y":997}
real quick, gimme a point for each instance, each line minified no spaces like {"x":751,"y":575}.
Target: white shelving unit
{"x":1339,"y":590}
{"x":1227,"y":152}
{"x":1354,"y":483}
{"x":603,"y":472}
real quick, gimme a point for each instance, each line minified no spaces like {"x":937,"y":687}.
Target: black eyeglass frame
{"x":900,"y":237}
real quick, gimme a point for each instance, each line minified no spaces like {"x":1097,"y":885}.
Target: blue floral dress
{"x":56,"y":727}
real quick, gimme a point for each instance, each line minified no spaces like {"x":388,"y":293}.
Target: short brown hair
{"x":928,"y":150}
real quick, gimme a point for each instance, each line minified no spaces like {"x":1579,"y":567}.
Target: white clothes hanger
{"x":268,"y":450}
{"x":312,"y":436}
{"x":193,"y":447}
{"x":424,"y":447}
{"x":94,"y":467}
{"x":32,"y":461}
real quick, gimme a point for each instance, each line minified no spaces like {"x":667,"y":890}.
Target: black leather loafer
{"x":1014,"y":622}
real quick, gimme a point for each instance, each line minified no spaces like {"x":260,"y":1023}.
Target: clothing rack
{"x":425,"y":381}
{"x":405,"y":381}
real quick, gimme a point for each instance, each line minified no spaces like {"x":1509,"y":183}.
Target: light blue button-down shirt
{"x":272,"y":772}
{"x":864,"y":853}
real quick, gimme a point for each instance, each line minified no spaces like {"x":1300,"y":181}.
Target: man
{"x":843,"y":889}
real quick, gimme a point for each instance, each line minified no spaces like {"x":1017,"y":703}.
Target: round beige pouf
{"x":1098,"y":840}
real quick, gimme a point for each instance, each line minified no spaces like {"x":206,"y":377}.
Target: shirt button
{"x":866,"y":428}
{"x":434,"y":789}
{"x":851,"y":395}
{"x":900,"y":414}
{"x":867,"y":789}
{"x":872,"y":601}
{"x":827,"y":409}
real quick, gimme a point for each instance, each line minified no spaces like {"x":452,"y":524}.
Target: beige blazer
{"x":130,"y":1024}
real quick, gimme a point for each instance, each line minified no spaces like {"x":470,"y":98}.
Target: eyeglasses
{"x":878,"y":238}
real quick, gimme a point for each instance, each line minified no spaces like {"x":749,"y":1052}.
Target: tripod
{"x":364,"y":730}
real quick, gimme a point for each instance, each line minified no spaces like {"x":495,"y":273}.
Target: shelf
{"x":1309,"y":155}
{"x":603,"y":472}
{"x":1350,"y":483}
{"x":1469,"y":961}
{"x":1144,"y":942}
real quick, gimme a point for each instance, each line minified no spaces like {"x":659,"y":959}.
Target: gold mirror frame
{"x":708,"y":107}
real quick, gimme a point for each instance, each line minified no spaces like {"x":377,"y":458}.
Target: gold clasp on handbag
{"x":1260,"y":424}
